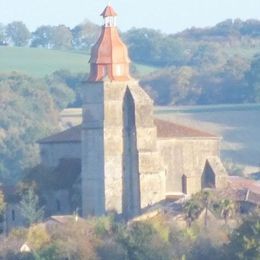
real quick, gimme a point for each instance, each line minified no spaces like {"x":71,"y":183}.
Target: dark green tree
{"x":227,"y":209}
{"x":191,"y":208}
{"x":42,"y":37}
{"x":61,"y":37}
{"x":85,"y":35}
{"x":253,"y":79}
{"x":245,"y":240}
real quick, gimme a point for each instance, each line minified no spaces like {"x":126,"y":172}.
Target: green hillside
{"x":40,"y":62}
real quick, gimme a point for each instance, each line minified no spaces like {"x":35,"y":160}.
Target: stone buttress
{"x":121,"y":169}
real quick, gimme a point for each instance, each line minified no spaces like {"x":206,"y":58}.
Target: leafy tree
{"x":2,"y":33}
{"x":74,"y":82}
{"x":253,"y":79}
{"x":48,"y":252}
{"x":18,"y":33}
{"x":28,"y":111}
{"x":141,"y":241}
{"x":191,"y":208}
{"x":9,"y":246}
{"x":206,"y":200}
{"x":245,"y":240}
{"x":250,"y":27}
{"x":30,"y":208}
{"x":143,"y":45}
{"x":85,"y":35}
{"x":59,"y":90}
{"x":227,"y":208}
{"x":61,"y":37}
{"x":152,"y":47}
{"x":74,"y":240}
{"x":172,"y":86}
{"x":206,"y":55}
{"x":38,"y":237}
{"x":42,"y":37}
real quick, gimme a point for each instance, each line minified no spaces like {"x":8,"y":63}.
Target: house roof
{"x":239,"y":183}
{"x":165,"y":129}
{"x":242,"y":189}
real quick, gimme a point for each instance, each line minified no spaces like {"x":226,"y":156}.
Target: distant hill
{"x":39,"y":62}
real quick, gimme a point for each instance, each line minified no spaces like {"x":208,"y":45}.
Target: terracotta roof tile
{"x":253,"y":197}
{"x":239,"y":183}
{"x":166,"y":129}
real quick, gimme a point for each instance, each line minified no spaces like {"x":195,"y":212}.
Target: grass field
{"x":41,"y":62}
{"x":238,"y":125}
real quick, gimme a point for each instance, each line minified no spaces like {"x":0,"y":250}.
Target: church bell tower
{"x":121,"y":170}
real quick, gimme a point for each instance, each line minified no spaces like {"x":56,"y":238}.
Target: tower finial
{"x":109,"y":12}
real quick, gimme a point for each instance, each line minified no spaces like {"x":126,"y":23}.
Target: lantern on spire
{"x":109,"y":56}
{"x":109,"y":16}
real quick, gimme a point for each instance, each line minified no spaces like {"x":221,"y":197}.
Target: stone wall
{"x":185,"y":159}
{"x":115,"y":152}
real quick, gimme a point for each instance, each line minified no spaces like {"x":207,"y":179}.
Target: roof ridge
{"x":180,"y":130}
{"x":63,"y":136}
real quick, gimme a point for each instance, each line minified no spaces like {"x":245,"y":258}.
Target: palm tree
{"x":205,"y":197}
{"x":191,"y":209}
{"x":227,"y":209}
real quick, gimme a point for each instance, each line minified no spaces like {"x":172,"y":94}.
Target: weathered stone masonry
{"x":130,"y":159}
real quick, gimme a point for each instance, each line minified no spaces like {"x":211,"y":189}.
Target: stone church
{"x":130,"y":159}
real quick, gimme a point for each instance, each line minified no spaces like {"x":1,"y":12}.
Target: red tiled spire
{"x":109,"y":56}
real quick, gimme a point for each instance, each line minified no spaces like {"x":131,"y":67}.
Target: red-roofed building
{"x":130,"y":160}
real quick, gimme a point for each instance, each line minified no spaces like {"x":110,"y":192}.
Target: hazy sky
{"x":166,"y":15}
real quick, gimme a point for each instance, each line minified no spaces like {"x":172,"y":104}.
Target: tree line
{"x":237,"y":81}
{"x":197,"y":66}
{"x":81,"y":36}
{"x":147,"y":46}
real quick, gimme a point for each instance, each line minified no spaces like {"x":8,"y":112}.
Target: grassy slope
{"x":40,"y":62}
